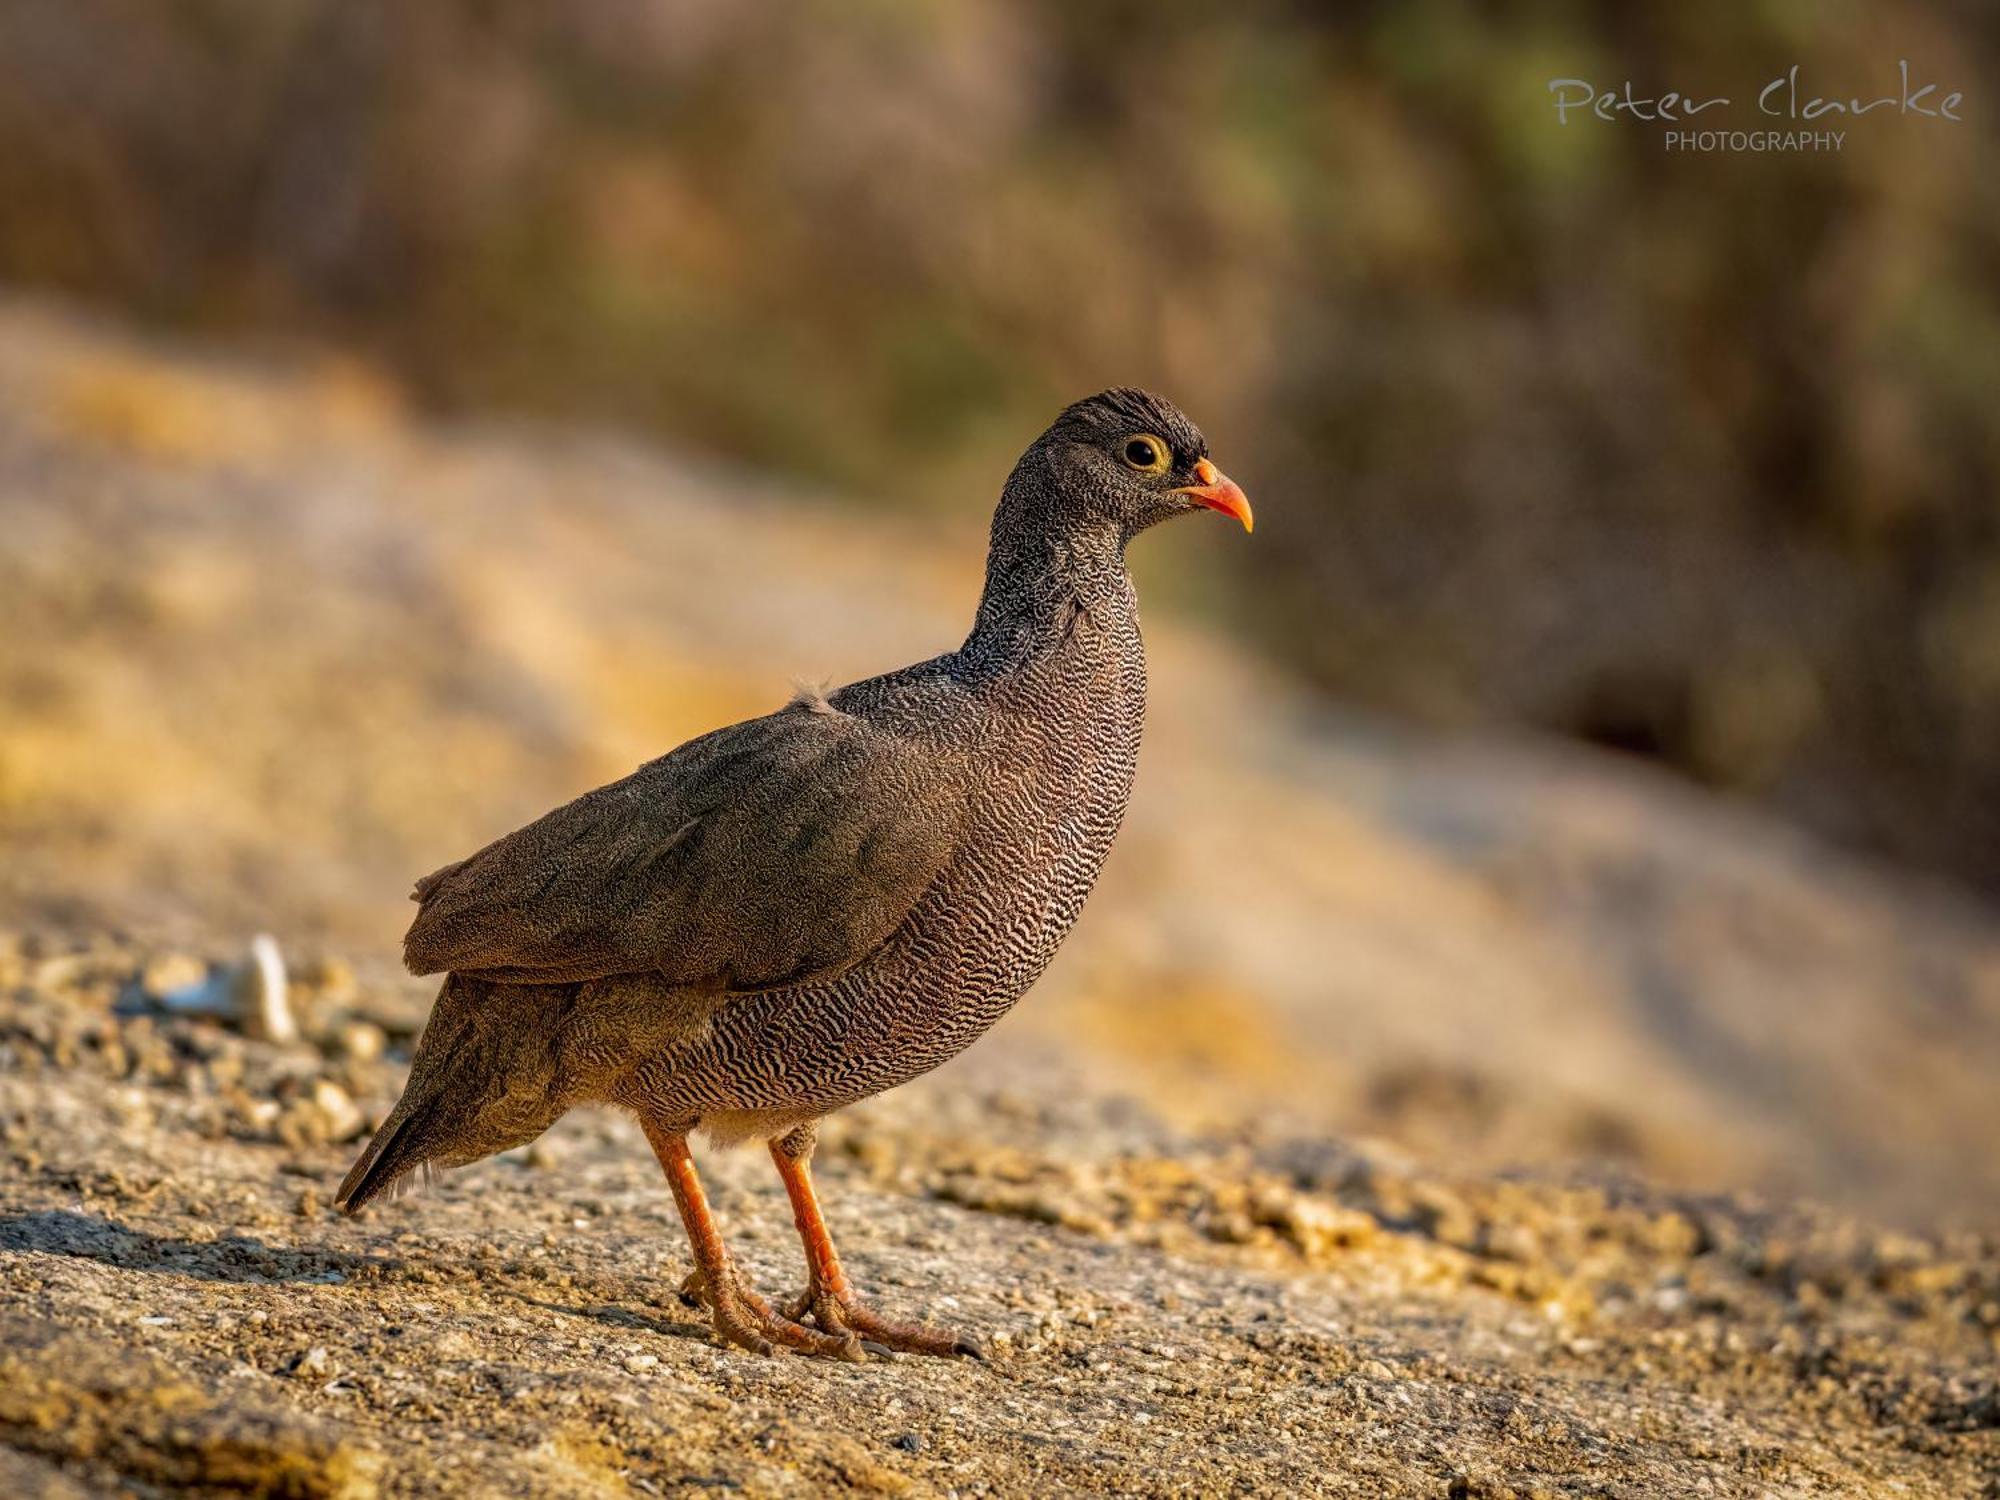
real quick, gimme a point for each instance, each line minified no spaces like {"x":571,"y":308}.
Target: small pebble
{"x":343,"y":1117}
{"x":313,"y":1362}
{"x":363,"y":1041}
{"x":167,"y":972}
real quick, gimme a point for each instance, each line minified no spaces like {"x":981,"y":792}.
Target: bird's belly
{"x":980,"y":937}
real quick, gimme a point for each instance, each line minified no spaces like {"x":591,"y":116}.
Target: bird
{"x":792,"y":914}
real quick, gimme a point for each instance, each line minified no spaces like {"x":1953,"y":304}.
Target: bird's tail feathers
{"x":477,"y":1085}
{"x":385,"y":1167}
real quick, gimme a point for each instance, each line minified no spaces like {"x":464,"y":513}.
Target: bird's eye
{"x":1146,"y":452}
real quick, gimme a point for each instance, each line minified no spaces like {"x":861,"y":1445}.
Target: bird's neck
{"x":1037,"y":582}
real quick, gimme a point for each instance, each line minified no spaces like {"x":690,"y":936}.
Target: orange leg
{"x":739,"y":1315}
{"x":827,"y":1296}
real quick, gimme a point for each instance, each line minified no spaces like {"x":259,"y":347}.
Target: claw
{"x":849,"y":1318}
{"x":739,"y":1316}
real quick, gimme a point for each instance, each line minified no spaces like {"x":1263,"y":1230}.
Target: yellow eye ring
{"x":1146,"y":453}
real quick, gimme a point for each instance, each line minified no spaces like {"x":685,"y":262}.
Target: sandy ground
{"x":1165,"y":1314}
{"x":1405,"y":1118}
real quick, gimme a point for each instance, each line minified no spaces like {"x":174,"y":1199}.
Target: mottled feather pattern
{"x":763,"y":853}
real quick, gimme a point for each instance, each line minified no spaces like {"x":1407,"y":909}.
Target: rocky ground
{"x":1166,"y":1313}
{"x":1404,"y":1118}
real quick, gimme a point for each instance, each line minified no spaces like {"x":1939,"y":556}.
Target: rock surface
{"x":1166,"y":1312}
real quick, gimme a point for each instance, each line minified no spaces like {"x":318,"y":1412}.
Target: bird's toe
{"x":745,"y":1335}
{"x":739,"y":1316}
{"x":874,"y":1334}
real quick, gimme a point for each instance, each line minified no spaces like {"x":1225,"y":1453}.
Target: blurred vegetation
{"x":1690,"y":455}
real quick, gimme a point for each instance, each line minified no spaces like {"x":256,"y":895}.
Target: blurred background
{"x":410,"y":415}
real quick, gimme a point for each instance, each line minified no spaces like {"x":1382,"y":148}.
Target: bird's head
{"x":1124,"y":458}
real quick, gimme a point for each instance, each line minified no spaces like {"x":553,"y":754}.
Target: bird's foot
{"x":846,"y":1316}
{"x":739,"y":1316}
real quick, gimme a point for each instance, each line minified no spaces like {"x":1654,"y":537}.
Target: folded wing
{"x":767,"y":853}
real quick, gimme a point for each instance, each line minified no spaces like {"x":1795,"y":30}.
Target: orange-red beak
{"x":1219,"y":492}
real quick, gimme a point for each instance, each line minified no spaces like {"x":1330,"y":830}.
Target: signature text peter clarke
{"x":1783,"y":98}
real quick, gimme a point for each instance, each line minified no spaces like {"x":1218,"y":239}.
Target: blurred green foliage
{"x":1690,"y":454}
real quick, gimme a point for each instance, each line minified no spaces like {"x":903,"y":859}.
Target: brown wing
{"x":762,"y":854}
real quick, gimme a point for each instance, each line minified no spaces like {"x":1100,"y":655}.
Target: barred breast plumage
{"x":1051,"y":749}
{"x":790,"y":915}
